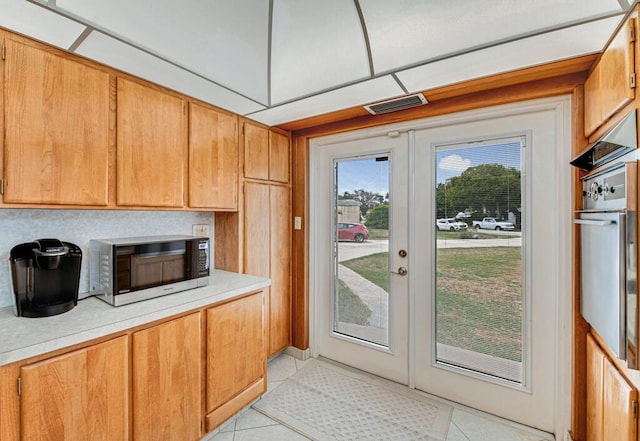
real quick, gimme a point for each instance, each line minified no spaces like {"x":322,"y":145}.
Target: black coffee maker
{"x":45,"y":274}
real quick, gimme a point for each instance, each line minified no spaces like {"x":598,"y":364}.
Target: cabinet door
{"x":610,"y":399}
{"x":235,"y":348}
{"x":256,"y":152}
{"x":609,"y":87}
{"x":213,"y":159}
{"x":56,"y":129}
{"x":152,"y":147}
{"x":280,"y":290}
{"x":257,"y":229}
{"x":595,"y":416}
{"x":278,"y":157}
{"x":167,"y":381}
{"x":619,"y":397}
{"x":78,"y":396}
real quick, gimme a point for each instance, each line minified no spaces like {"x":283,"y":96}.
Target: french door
{"x":477,"y":316}
{"x":360,"y":229}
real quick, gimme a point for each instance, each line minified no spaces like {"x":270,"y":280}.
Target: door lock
{"x":402,"y":253}
{"x":402,"y":271}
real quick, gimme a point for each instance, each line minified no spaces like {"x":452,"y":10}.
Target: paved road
{"x":352,"y":250}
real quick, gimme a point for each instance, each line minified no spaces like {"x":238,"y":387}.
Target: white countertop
{"x":23,"y":337}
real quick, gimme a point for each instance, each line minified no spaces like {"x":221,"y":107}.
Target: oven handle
{"x":595,"y":223}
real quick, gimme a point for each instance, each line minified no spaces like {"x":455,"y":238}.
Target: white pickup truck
{"x":490,"y":223}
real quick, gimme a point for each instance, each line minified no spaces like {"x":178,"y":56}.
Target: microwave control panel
{"x":203,"y":257}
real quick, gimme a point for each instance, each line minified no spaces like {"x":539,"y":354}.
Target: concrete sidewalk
{"x":376,"y":299}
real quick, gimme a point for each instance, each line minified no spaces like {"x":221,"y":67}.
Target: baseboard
{"x":300,"y":354}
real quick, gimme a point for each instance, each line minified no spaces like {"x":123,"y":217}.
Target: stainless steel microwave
{"x":127,"y":270}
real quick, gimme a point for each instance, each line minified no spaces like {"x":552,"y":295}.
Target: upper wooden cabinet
{"x":611,"y":84}
{"x":167,"y":373}
{"x":57,"y":130}
{"x":610,"y":399}
{"x":278,"y":157}
{"x":256,"y":152}
{"x":151,"y":146}
{"x":82,"y":395}
{"x":213,"y":158}
{"x":266,"y":154}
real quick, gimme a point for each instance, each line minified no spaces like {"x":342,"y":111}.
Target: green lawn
{"x":375,"y":233}
{"x":468,"y":234}
{"x":478,"y":300}
{"x":374,"y":267}
{"x":350,"y":308}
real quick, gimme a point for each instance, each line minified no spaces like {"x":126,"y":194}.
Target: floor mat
{"x":329,"y":403}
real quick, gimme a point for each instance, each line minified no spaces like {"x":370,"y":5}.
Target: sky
{"x":368,"y":174}
{"x":453,"y":161}
{"x":373,"y":176}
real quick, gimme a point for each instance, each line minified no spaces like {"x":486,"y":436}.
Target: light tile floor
{"x":466,"y":425}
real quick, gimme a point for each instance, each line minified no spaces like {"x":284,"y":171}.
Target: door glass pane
{"x":361,"y":265}
{"x":479,"y":263}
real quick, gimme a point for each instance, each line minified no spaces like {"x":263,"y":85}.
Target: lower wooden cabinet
{"x":82,"y":395}
{"x":167,"y":381}
{"x":236,"y":361}
{"x":611,"y":400}
{"x":172,"y":380}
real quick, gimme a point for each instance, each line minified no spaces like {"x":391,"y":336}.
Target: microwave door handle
{"x":595,"y":223}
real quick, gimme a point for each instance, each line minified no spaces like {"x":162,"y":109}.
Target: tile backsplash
{"x":80,"y":226}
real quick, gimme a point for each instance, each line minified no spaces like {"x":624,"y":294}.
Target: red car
{"x":352,"y":231}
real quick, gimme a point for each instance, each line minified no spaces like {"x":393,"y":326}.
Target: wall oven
{"x":608,"y":270}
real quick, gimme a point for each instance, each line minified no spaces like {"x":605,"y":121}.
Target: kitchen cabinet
{"x":152,"y":148}
{"x":82,"y":395}
{"x":57,"y":127}
{"x":611,"y":400}
{"x":266,"y":154}
{"x":267,"y":227}
{"x":611,"y":84}
{"x":236,"y":361}
{"x":278,"y":157}
{"x":280,"y":271}
{"x":166,"y":381}
{"x":165,"y":372}
{"x":213,"y":158}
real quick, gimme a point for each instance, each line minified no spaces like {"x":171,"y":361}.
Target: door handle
{"x":595,"y":223}
{"x":402,"y":271}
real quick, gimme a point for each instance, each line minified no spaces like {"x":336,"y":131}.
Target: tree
{"x":378,"y":217}
{"x":489,"y":189}
{"x":367,"y":199}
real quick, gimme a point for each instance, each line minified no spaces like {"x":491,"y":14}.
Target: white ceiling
{"x":278,"y":61}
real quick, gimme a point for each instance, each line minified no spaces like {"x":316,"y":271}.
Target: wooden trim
{"x":2,"y":130}
{"x":520,"y":92}
{"x":536,"y":73}
{"x":233,"y":406}
{"x":300,"y":245}
{"x":580,"y":327}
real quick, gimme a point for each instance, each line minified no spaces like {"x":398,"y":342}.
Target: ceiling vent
{"x":406,"y":102}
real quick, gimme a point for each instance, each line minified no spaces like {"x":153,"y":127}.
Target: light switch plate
{"x":297,"y":223}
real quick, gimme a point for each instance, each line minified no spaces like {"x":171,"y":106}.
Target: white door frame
{"x":563,"y":321}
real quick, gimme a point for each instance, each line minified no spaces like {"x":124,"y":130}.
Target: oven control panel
{"x":605,"y":191}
